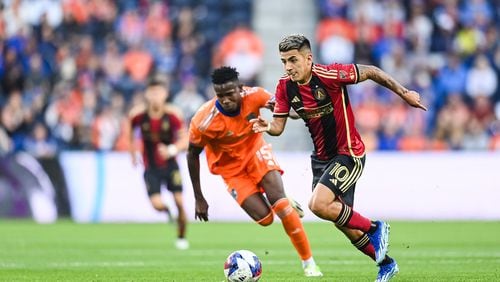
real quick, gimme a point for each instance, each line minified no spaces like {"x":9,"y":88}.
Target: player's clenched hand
{"x":167,"y":151}
{"x":259,"y":124}
{"x":413,"y":99}
{"x":201,"y":210}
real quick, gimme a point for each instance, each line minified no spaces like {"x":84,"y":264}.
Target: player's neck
{"x":155,"y":113}
{"x":309,"y":77}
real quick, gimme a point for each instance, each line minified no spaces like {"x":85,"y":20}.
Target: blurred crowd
{"x":71,"y":69}
{"x":448,"y":50}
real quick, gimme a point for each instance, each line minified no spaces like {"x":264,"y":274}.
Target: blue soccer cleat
{"x":380,"y":240}
{"x":387,"y":271}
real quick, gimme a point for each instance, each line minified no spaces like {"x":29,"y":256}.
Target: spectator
{"x":443,"y":48}
{"x":450,"y":79}
{"x":138,"y":63}
{"x":481,"y":80}
{"x":105,"y":129}
{"x":451,"y":121}
{"x":242,"y":49}
{"x":475,"y":137}
{"x":40,"y":144}
{"x":188,"y":100}
{"x":335,"y":38}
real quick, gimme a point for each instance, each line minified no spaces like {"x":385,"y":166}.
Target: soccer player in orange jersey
{"x":243,"y":159}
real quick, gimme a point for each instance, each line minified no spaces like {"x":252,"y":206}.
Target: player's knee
{"x":267,"y":220}
{"x":158,"y":204}
{"x":318,"y":208}
{"x":158,"y":207}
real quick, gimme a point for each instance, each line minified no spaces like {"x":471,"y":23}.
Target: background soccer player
{"x":318,"y":94}
{"x":243,"y":159}
{"x":163,"y":135}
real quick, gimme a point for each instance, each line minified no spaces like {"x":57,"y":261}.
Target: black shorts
{"x":155,"y":177}
{"x":340,"y":174}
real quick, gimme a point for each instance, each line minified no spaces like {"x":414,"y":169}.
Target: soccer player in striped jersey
{"x":163,"y":136}
{"x":318,"y":94}
{"x":243,"y":159}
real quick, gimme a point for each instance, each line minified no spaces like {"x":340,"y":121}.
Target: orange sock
{"x":293,"y":227}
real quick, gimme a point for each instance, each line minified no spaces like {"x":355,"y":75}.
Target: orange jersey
{"x":229,"y":141}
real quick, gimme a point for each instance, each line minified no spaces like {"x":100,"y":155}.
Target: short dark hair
{"x":157,"y":81}
{"x":294,"y":42}
{"x":224,"y":74}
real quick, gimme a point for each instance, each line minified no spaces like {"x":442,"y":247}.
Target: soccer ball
{"x":242,"y":266}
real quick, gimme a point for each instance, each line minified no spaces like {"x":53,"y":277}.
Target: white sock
{"x":308,"y":261}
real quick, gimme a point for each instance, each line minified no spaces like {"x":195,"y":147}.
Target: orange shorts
{"x":245,"y":183}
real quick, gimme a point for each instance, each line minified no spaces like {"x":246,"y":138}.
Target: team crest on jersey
{"x":320,"y":93}
{"x":234,"y":194}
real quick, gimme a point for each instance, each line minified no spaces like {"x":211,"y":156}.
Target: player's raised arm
{"x":193,"y":161}
{"x":379,"y":76}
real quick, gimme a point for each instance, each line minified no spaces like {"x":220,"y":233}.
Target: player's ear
{"x":309,"y":57}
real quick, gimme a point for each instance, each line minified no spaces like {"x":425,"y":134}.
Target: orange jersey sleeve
{"x":229,"y":141}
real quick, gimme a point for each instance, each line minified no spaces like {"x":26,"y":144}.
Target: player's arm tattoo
{"x":380,"y":77}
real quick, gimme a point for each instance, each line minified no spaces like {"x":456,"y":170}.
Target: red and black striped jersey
{"x":323,"y":104}
{"x":155,"y":131}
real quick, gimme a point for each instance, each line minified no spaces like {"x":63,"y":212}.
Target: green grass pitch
{"x":65,"y":251}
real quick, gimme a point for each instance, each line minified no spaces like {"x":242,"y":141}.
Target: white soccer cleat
{"x":296,"y":206}
{"x":182,"y":244}
{"x":312,"y":270}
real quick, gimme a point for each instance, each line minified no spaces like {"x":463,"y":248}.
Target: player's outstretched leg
{"x":387,"y":269}
{"x":295,"y":230}
{"x":380,"y":240}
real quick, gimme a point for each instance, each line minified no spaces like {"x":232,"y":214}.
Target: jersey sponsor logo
{"x":295,"y":99}
{"x":320,"y":93}
{"x":315,"y":113}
